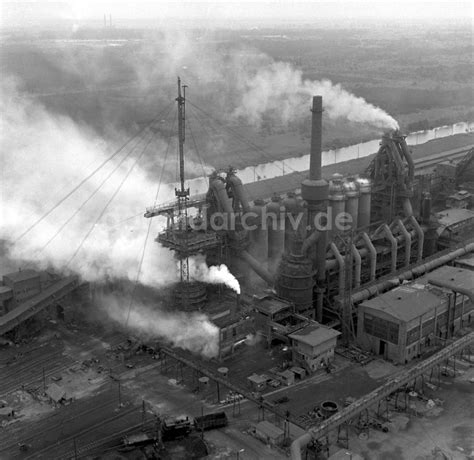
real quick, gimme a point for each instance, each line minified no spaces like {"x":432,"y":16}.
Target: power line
{"x":86,"y":201}
{"x":244,"y":139}
{"x":83,"y":181}
{"x":109,"y":201}
{"x":132,"y":295}
{"x":197,"y":153}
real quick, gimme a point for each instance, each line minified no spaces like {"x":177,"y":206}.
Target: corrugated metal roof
{"x":404,"y":302}
{"x":452,"y":216}
{"x":270,"y":305}
{"x":314,"y":334}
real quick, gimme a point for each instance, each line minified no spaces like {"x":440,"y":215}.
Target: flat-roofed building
{"x":313,"y":346}
{"x":401,"y":323}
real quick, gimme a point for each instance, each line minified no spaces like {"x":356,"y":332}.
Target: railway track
{"x":56,"y":449}
{"x":32,"y":373}
{"x":32,"y":435}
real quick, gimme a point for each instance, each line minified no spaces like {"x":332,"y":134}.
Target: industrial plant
{"x":299,"y":281}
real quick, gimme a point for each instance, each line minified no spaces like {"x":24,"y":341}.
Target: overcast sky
{"x":219,"y":13}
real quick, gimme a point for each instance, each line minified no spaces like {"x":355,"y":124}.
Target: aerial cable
{"x":110,"y":201}
{"x":235,"y":152}
{"x":243,"y":139}
{"x":87,"y":200}
{"x":83,"y":181}
{"x":197,"y":153}
{"x":163,"y":167}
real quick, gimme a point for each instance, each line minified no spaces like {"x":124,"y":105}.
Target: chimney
{"x":316,"y":139}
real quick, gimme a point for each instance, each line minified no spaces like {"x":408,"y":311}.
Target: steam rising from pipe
{"x":199,"y":271}
{"x":191,"y":331}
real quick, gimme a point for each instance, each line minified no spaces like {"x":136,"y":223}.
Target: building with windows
{"x":400,"y":324}
{"x":313,"y":346}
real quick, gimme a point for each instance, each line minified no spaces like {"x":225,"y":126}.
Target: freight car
{"x":210,"y":421}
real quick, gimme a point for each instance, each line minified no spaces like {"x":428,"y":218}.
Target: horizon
{"x":227,"y":14}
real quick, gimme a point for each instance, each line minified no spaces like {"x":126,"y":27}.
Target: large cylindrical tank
{"x":259,"y":236}
{"x":292,"y":206}
{"x":351,"y":189}
{"x":294,"y":281}
{"x":365,"y":190}
{"x":276,"y":231}
{"x":337,"y":203}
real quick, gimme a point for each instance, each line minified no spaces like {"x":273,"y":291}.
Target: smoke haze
{"x":48,"y":148}
{"x":190,"y":331}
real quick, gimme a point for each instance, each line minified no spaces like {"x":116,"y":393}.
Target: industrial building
{"x":313,"y":346}
{"x":401,"y":324}
{"x":380,"y":278}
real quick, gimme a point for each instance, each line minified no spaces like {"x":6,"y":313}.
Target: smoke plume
{"x":199,"y":271}
{"x":191,"y":331}
{"x":43,"y":156}
{"x":281,"y":91}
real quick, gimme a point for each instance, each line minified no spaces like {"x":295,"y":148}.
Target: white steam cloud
{"x":191,"y":331}
{"x":280,"y":89}
{"x":199,"y":271}
{"x":43,"y":156}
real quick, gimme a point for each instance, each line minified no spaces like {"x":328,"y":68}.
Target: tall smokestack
{"x":316,"y":139}
{"x":314,"y":191}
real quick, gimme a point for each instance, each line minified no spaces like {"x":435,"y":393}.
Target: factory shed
{"x":455,"y":225}
{"x":269,"y":433}
{"x":257,"y":382}
{"x":313,"y":346}
{"x":455,"y":279}
{"x":24,"y":284}
{"x":465,"y":262}
{"x":401,"y":324}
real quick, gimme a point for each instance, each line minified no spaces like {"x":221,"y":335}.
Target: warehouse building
{"x":400,"y":324}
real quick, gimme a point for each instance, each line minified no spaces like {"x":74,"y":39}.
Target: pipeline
{"x":408,"y":158}
{"x":358,"y":265}
{"x":407,"y":236}
{"x":240,"y":195}
{"x":218,"y":187}
{"x":257,"y":267}
{"x":393,"y":243}
{"x":415,"y":272}
{"x":373,"y":254}
{"x":340,"y":261}
{"x":309,"y":242}
{"x":421,"y":237}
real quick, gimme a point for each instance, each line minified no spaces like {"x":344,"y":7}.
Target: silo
{"x":276,"y":231}
{"x":351,"y":189}
{"x":259,"y":236}
{"x":337,"y":204}
{"x":365,"y":190}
